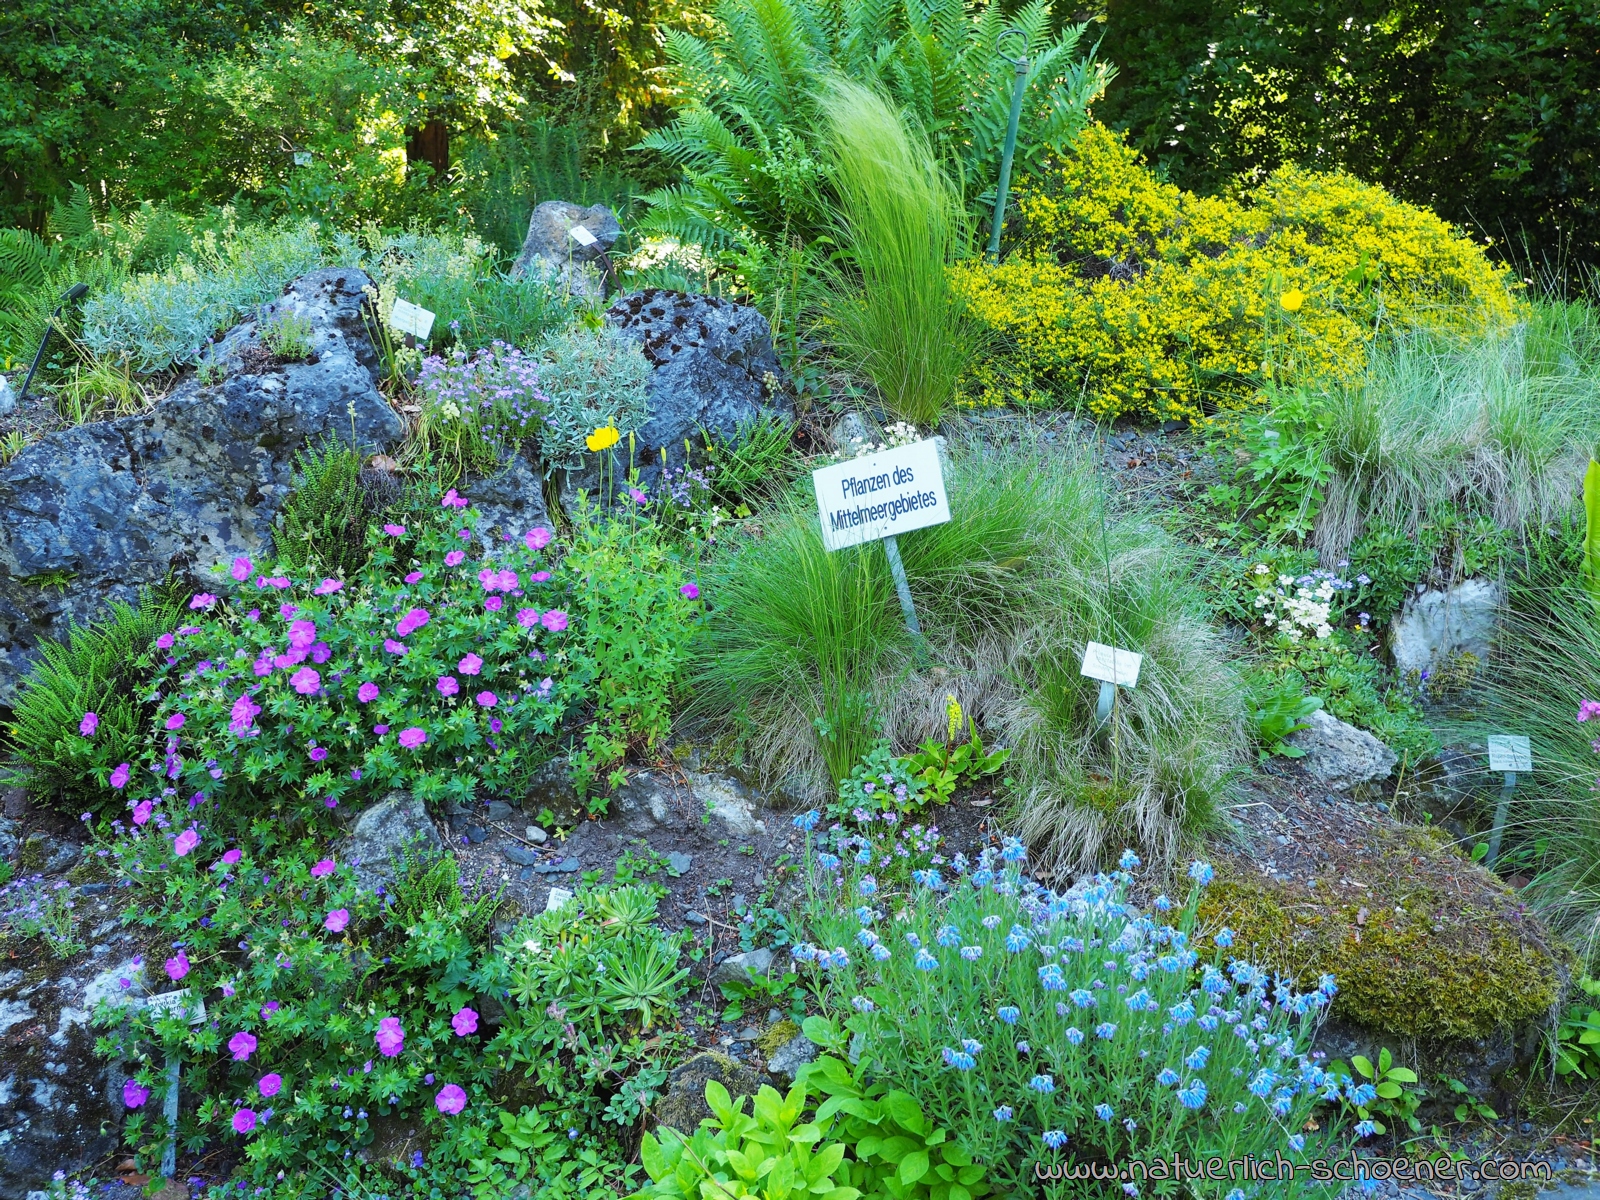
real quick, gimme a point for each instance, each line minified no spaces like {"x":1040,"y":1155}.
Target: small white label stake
{"x":1114,"y":668}
{"x":181,"y":1003}
{"x":411,"y":318}
{"x":1511,"y":754}
{"x":582,"y":236}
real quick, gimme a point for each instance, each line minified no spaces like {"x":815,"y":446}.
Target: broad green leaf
{"x":914,"y":1166}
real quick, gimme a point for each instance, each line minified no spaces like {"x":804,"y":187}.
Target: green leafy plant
{"x":945,"y":766}
{"x":592,"y":379}
{"x":41,"y":908}
{"x":1277,"y":489}
{"x":756,"y":464}
{"x":1577,"y":1038}
{"x":1394,"y":1096}
{"x":288,"y":336}
{"x":1591,"y":535}
{"x":326,"y":515}
{"x":1470,"y":1105}
{"x":756,"y":993}
{"x":100,"y":669}
{"x":1279,"y":707}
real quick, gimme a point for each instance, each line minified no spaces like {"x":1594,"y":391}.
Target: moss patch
{"x":781,"y":1034}
{"x":1430,"y":947}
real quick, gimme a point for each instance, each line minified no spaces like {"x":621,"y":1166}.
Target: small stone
{"x":694,"y":918}
{"x":678,"y":863}
{"x":565,"y":866}
{"x":526,"y":874}
{"x":748,"y":1034}
{"x":787,"y":1060}
{"x":520,"y":855}
{"x":498,"y":810}
{"x":737,"y":968}
{"x":773,"y":1016}
{"x":476,"y":834}
{"x":537,"y":836}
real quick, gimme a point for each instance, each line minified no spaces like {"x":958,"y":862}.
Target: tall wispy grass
{"x":1502,"y":424}
{"x":894,"y":316}
{"x":809,"y":659}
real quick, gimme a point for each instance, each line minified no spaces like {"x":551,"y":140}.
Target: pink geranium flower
{"x":447,"y":685}
{"x":134,"y":1094}
{"x":337,"y":920}
{"x":270,"y":1084}
{"x":202,"y":600}
{"x":464,"y":1022}
{"x":89,"y":724}
{"x":393,"y":647}
{"x":244,"y":1121}
{"x":142,"y":812}
{"x":242,"y":1045}
{"x":415,"y":619}
{"x":494,"y":604}
{"x":241,"y":569}
{"x":328,"y":587}
{"x":367,"y":693}
{"x":537,"y":538}
{"x":177,"y":966}
{"x":451,"y":500}
{"x":527,"y":617}
{"x":119,"y":777}
{"x":176,"y":721}
{"x":450,"y":1100}
{"x":232,"y":856}
{"x":555,"y":620}
{"x":413,"y":737}
{"x":185,"y":842}
{"x":244,"y":715}
{"x":455,"y":558}
{"x":395,"y":530}
{"x":470,"y":665}
{"x":305,"y":681}
{"x":322,"y":868}
{"x":414,"y":577}
{"x":487,"y":699}
{"x":302,"y":634}
{"x":390,"y":1037}
{"x":165,"y":641}
{"x":691,"y":591}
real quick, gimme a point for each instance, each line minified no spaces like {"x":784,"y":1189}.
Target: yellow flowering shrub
{"x":1148,"y":299}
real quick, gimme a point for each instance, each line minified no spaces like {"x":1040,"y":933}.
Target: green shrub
{"x":326,"y":515}
{"x":750,"y":138}
{"x":593,"y":378}
{"x":986,"y":998}
{"x":893,"y":318}
{"x":97,"y":670}
{"x":808,"y":658}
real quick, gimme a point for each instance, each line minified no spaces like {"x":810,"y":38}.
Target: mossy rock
{"x":775,"y":1038}
{"x":684,"y":1106}
{"x":1434,"y":947}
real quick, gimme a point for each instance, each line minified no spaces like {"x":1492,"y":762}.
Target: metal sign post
{"x":1511,"y":755}
{"x":183,"y":1003}
{"x":1114,"y":668}
{"x":1018,"y":88}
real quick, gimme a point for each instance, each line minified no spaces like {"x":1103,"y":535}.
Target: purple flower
{"x":464,"y":1022}
{"x":119,"y":777}
{"x":555,"y":620}
{"x":692,"y":591}
{"x":380,"y":730}
{"x":134,"y":1094}
{"x":414,"y":577}
{"x":447,"y":685}
{"x":451,"y":500}
{"x":328,"y":586}
{"x":390,"y":1037}
{"x":244,"y":714}
{"x":185,"y":842}
{"x":142,"y":812}
{"x":318,"y":753}
{"x":495,"y":725}
{"x":355,"y":774}
{"x":244,"y":1121}
{"x":464,"y":534}
{"x":367,"y":693}
{"x":242,"y":1045}
{"x":320,"y":653}
{"x":413,"y":737}
{"x":241,"y":569}
{"x":177,"y":966}
{"x":470,"y":665}
{"x":487,"y":699}
{"x":177,"y":721}
{"x":337,"y":920}
{"x":393,"y":647}
{"x":450,"y":1100}
{"x":232,"y":856}
{"x":527,"y":617}
{"x":323,"y":867}
{"x":301,"y":634}
{"x":395,"y":530}
{"x":270,"y":1084}
{"x":305,"y":681}
{"x":202,"y":600}
{"x":537,"y":538}
{"x":455,"y":558}
{"x":415,"y":619}
{"x":494,"y":604}
{"x":89,"y":724}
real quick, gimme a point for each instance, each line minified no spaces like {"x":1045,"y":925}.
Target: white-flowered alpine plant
{"x":1056,"y":1033}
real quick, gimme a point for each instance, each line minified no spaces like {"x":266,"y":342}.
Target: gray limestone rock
{"x":684,"y":1106}
{"x":383,"y":830}
{"x":737,"y":968}
{"x":1340,"y":756}
{"x":96,"y":511}
{"x":787,"y":1060}
{"x":549,"y":239}
{"x":1434,"y":625}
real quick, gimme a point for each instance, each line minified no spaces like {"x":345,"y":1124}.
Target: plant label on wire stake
{"x":582,"y":236}
{"x":1114,"y":668}
{"x":302,"y":158}
{"x":877,"y":497}
{"x":1511,"y":755}
{"x":411,"y":318}
{"x":182,"y":1003}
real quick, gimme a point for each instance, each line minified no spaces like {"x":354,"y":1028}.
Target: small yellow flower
{"x":1292,"y":300}
{"x":603,"y":438}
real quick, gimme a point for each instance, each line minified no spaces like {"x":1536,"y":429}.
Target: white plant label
{"x":1111,"y":665}
{"x":411,"y":318}
{"x":1510,"y":752}
{"x":881,"y":495}
{"x":557,"y":899}
{"x":582,"y":236}
{"x":183,"y":1002}
{"x":302,"y":158}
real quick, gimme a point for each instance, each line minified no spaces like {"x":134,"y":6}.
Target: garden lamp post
{"x":1018,"y":88}
{"x":76,"y":292}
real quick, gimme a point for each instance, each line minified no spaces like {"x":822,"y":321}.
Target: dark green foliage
{"x":92,"y":671}
{"x":427,"y":883}
{"x":325,"y":518}
{"x":1487,"y":112}
{"x":755,"y":464}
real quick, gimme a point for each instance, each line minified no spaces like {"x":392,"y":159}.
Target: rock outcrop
{"x":1340,"y":756}
{"x":97,"y":511}
{"x":1435,"y":625}
{"x":550,"y":251}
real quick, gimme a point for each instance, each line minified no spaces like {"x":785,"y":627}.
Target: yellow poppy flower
{"x":1292,"y":300}
{"x":603,"y":438}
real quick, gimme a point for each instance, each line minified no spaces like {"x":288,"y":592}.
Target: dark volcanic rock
{"x":96,"y":511}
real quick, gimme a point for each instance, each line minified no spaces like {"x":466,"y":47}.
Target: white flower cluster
{"x":901,"y":433}
{"x":1294,"y":612}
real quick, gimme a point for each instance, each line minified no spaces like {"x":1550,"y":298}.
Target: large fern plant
{"x":749,"y":137}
